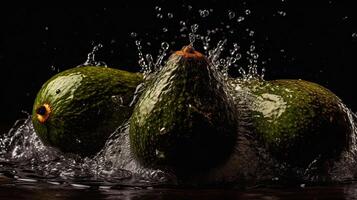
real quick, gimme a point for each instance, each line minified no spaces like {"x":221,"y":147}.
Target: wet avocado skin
{"x":296,"y":120}
{"x":184,"y":119}
{"x":87,"y":105}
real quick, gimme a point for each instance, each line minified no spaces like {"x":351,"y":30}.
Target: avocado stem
{"x":189,"y":52}
{"x":43,"y":113}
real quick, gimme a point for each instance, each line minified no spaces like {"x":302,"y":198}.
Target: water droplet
{"x":354,"y":35}
{"x":247,"y":12}
{"x":170,"y":15}
{"x":164,"y":29}
{"x":192,"y":38}
{"x":58,"y":91}
{"x":240,"y":19}
{"x":238,"y":56}
{"x":91,"y":57}
{"x":203,"y":13}
{"x":142,"y":63}
{"x":159,"y":16}
{"x":242,"y":72}
{"x":282,"y":13}
{"x":255,"y":56}
{"x":165,"y":45}
{"x":189,"y":7}
{"x":133,"y":34}
{"x":46,"y":28}
{"x":236,"y":46}
{"x":231,"y":14}
{"x":194,"y":28}
{"x":251,"y":33}
{"x":251,"y":48}
{"x":150,"y":61}
{"x":157,"y":8}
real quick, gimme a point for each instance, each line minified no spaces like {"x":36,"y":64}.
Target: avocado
{"x":295,"y":120}
{"x":184,"y":120}
{"x":77,"y":109}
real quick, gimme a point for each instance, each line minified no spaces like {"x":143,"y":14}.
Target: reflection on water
{"x":24,"y":189}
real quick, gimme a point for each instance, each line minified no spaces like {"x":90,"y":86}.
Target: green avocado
{"x":296,"y":120}
{"x":77,"y":109}
{"x":184,"y":119}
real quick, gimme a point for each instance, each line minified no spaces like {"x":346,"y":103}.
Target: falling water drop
{"x":247,"y":12}
{"x":231,"y":14}
{"x":165,"y":46}
{"x":91,"y":61}
{"x":194,"y":28}
{"x":150,"y":61}
{"x":203,"y":13}
{"x":170,"y":15}
{"x":240,"y":19}
{"x":282,"y":13}
{"x":138,"y":44}
{"x":133,"y":34}
{"x":192,"y":35}
{"x":157,"y":8}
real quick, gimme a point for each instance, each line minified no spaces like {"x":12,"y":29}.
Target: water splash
{"x":225,"y":54}
{"x":147,"y":63}
{"x":22,"y":151}
{"x":193,"y":35}
{"x":23,"y":155}
{"x":91,"y":57}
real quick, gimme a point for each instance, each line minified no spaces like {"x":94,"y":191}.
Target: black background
{"x":312,"y":42}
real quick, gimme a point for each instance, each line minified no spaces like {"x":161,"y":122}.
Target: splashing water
{"x":24,"y":157}
{"x":91,"y":61}
{"x":147,"y":62}
{"x":224,"y":54}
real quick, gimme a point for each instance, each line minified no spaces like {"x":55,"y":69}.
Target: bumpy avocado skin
{"x":298,"y":121}
{"x":184,"y":119}
{"x":87,"y":105}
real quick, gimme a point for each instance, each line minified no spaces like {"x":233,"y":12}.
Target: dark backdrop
{"x":312,"y":42}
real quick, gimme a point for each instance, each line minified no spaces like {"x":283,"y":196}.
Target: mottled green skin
{"x":88,"y":103}
{"x":298,"y":121}
{"x":184,"y":119}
